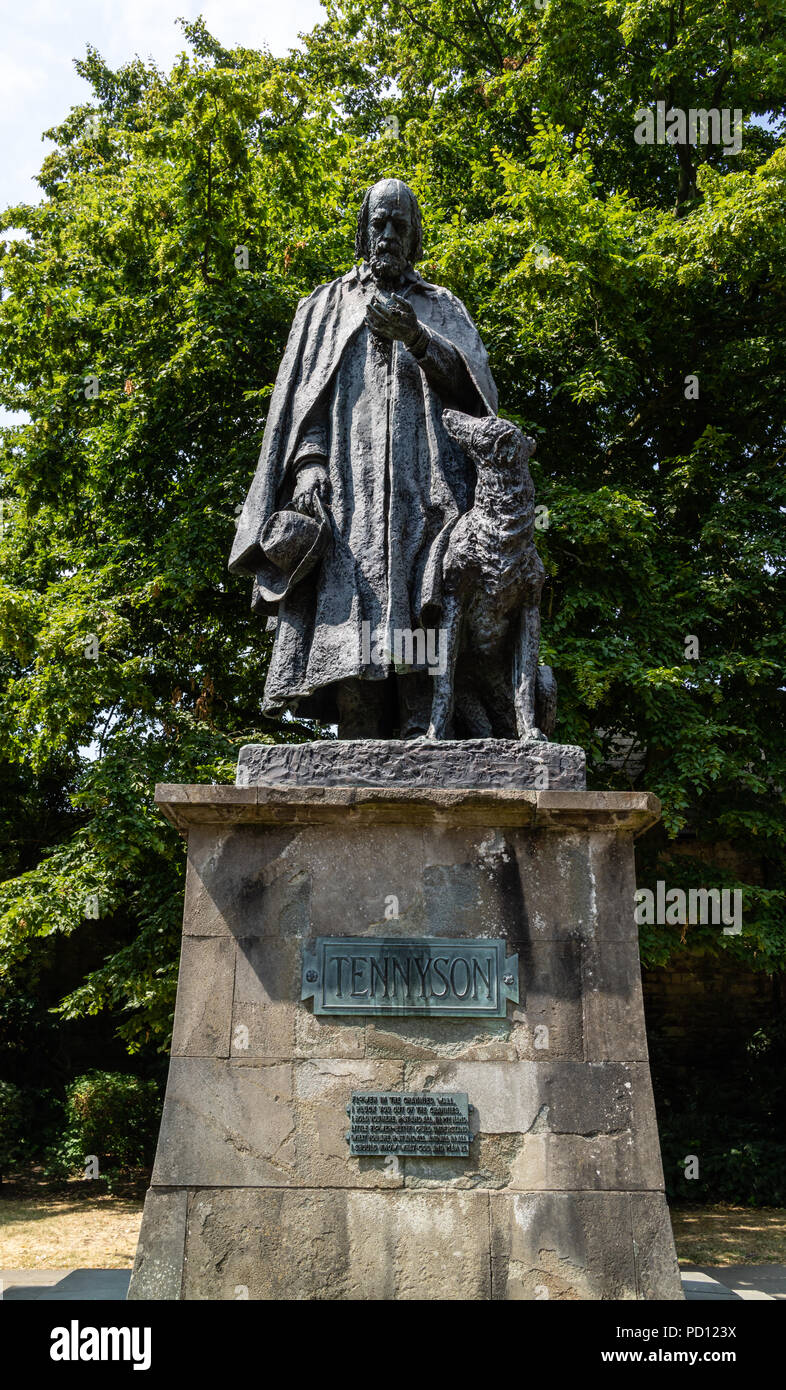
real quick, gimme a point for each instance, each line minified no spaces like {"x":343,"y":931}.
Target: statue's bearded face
{"x":390,"y":235}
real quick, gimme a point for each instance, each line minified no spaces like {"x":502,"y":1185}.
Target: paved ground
{"x":745,"y":1282}
{"x":62,"y":1285}
{"x":732,"y":1283}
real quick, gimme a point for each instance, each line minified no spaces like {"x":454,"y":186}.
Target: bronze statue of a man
{"x":355,"y":444}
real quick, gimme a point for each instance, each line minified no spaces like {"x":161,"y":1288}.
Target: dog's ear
{"x":515,"y":446}
{"x":507,"y":444}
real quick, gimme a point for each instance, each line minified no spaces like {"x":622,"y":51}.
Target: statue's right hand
{"x":312,"y":480}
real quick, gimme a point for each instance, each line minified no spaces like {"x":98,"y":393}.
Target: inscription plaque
{"x":454,"y":978}
{"x":409,"y":1123}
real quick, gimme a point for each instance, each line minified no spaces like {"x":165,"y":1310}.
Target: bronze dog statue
{"x":492,"y":578}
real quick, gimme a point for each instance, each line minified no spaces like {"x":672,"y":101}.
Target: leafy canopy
{"x":631,"y":298}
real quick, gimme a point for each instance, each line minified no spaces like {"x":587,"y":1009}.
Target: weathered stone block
{"x":562,"y":1245}
{"x":203,"y":1014}
{"x":586,"y":812}
{"x":420,"y":1245}
{"x":273,"y":1244}
{"x":577,"y":885}
{"x":577,"y":1245}
{"x":158,"y":1267}
{"x":226,"y":1123}
{"x":612,"y":1002}
{"x":550,"y":1001}
{"x":242,"y":883}
{"x":267,"y":984}
{"x":267,"y":1243}
{"x":657,"y":1270}
{"x":473,"y":763}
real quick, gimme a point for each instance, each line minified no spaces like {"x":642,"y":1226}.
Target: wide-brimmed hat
{"x":292,"y":545}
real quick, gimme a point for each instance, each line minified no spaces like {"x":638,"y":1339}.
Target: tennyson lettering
{"x":424,"y":975}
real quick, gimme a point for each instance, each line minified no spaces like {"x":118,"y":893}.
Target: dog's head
{"x":491,"y":441}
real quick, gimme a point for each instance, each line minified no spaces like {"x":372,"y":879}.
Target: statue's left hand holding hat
{"x":292,"y":544}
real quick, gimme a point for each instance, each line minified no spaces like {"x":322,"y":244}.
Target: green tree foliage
{"x":14,"y":1121}
{"x":632,"y":300}
{"x":111,"y":1119}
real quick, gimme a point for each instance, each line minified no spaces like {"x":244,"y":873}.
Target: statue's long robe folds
{"x":398,"y":480}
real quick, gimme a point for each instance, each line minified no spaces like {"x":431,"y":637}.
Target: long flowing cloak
{"x":398,"y":481}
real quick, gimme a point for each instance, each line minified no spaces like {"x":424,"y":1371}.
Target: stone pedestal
{"x":254,"y":1192}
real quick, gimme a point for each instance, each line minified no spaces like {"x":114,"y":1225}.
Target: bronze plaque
{"x":402,"y":976}
{"x":410,"y":1123}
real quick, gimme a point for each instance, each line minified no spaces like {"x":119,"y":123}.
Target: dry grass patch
{"x":729,"y":1235}
{"x":68,"y":1225}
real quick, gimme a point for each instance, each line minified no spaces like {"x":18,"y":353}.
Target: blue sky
{"x":41,"y":38}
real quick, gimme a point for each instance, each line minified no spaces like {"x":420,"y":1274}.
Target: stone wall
{"x":705,"y":1010}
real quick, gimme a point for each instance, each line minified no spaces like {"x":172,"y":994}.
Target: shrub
{"x":112,"y":1117}
{"x":730,"y":1111}
{"x":13,"y":1124}
{"x":736,"y":1162}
